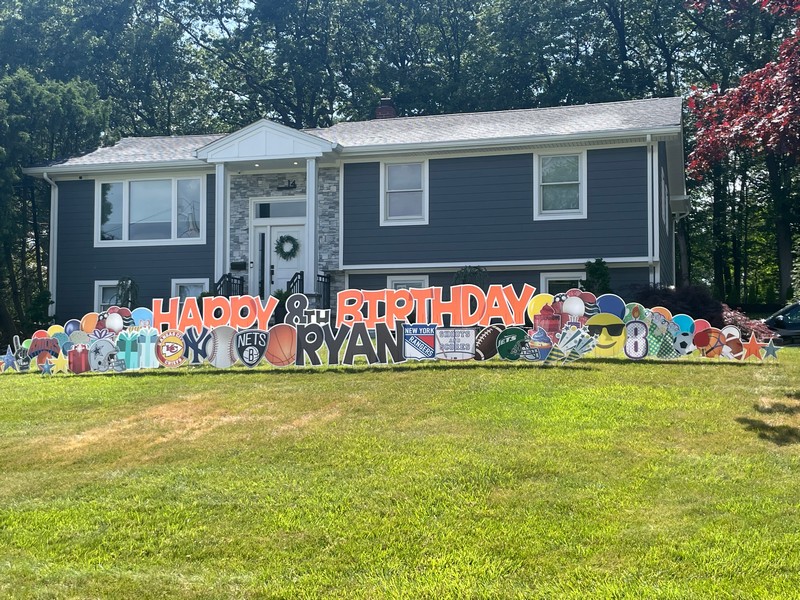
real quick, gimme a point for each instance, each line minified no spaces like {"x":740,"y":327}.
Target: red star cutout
{"x":753,"y":347}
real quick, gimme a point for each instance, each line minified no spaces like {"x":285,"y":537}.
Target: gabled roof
{"x":634,"y":116}
{"x":265,"y":139}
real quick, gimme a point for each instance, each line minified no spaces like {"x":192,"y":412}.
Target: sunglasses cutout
{"x":612,"y":330}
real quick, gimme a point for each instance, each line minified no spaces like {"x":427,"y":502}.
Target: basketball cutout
{"x":281,"y":345}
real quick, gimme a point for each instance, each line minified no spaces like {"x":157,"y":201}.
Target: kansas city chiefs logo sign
{"x":250,"y":346}
{"x":171,"y":349}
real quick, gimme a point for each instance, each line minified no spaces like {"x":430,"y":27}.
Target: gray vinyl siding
{"x":373,"y":281}
{"x":481,"y":209}
{"x":624,"y":280}
{"x":666,"y":229}
{"x":80,"y":264}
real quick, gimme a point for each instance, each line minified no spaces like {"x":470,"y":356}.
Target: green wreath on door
{"x":281,"y":247}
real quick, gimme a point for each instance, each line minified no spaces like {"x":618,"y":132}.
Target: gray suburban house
{"x":530,"y":195}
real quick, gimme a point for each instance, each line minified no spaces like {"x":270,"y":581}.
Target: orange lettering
{"x":348,"y":307}
{"x":190,"y":315}
{"x":168,"y":317}
{"x":472,"y":295}
{"x":210,"y":306}
{"x":519,"y":305}
{"x":394,"y":310}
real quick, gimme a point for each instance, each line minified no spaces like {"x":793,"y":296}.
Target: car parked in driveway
{"x":786,"y":323}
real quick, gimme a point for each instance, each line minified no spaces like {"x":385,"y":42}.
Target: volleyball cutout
{"x":282,"y":345}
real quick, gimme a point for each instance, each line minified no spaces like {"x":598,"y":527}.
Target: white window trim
{"x":188,"y":281}
{"x":256,"y":220}
{"x":386,"y":222}
{"x":545,"y":277}
{"x":174,"y":241}
{"x":99,"y":284}
{"x":422,"y":280}
{"x":553,"y":215}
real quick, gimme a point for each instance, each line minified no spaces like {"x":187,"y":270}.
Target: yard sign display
{"x":376,"y":327}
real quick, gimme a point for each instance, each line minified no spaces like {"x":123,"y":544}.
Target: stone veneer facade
{"x":245,"y":187}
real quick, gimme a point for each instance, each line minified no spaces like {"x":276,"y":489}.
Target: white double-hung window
{"x":560,"y":186}
{"x":404,"y":193}
{"x":144,"y":212}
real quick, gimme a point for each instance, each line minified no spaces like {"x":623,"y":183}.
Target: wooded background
{"x":75,"y":74}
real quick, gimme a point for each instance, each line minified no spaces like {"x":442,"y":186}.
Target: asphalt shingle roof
{"x":144,"y":150}
{"x":586,"y":119}
{"x":539,"y":122}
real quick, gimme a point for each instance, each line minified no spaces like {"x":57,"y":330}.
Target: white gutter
{"x":51,"y":255}
{"x":507,"y":141}
{"x":163,"y":165}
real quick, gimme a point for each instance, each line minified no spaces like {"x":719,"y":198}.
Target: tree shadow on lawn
{"x":683,"y":362}
{"x":346,"y":369}
{"x":778,"y":408}
{"x":780,"y":435}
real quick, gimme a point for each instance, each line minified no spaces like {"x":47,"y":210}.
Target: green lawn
{"x":603,"y":479}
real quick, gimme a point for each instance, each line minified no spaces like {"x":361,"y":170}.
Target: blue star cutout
{"x":771,"y":350}
{"x":8,"y":360}
{"x":47,"y":368}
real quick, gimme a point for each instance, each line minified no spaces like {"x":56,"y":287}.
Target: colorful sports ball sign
{"x":460,"y":323}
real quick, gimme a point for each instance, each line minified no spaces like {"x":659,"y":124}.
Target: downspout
{"x":51,"y":254}
{"x":650,"y":216}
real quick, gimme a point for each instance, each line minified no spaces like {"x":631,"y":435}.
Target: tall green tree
{"x":39,"y":121}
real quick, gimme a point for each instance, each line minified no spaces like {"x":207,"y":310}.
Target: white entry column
{"x":311,"y":240}
{"x":220,"y":231}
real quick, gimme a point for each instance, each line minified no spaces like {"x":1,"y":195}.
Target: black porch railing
{"x":322,"y":288}
{"x":229,"y":285}
{"x":296,"y":284}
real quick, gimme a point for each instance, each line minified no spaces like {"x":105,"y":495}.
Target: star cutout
{"x":59,"y":364}
{"x":47,"y":368}
{"x":752,"y":348}
{"x":9,"y":363}
{"x":771,"y":350}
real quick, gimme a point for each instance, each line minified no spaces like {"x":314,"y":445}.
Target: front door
{"x":274,"y":270}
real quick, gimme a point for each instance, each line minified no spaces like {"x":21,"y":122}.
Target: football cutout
{"x":486,"y":342}
{"x":281,"y":345}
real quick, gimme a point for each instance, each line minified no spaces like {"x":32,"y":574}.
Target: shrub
{"x":598,"y":277}
{"x":471,"y":275}
{"x":747,"y":326}
{"x":693,"y":300}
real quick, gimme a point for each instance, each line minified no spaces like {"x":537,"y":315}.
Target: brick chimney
{"x":386,"y":109}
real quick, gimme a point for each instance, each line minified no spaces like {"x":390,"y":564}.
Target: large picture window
{"x":150,"y":212}
{"x":404,"y":196}
{"x":560,"y":191}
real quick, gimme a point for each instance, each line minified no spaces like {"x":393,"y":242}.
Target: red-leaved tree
{"x":760,"y":116}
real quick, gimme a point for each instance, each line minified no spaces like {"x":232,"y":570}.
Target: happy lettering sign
{"x":387,"y":326}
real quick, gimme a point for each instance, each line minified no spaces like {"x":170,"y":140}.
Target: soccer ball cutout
{"x":684,"y":343}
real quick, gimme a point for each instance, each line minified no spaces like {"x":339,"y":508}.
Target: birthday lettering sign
{"x":388,"y":326}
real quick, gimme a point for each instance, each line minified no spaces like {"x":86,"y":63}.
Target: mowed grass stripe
{"x":605,"y":479}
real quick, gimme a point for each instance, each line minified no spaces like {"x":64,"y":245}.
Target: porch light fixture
{"x":256,"y":165}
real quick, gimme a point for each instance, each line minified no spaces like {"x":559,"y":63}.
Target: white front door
{"x":281,"y":270}
{"x":270,"y":219}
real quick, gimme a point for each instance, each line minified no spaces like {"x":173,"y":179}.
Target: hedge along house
{"x":530,"y":195}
